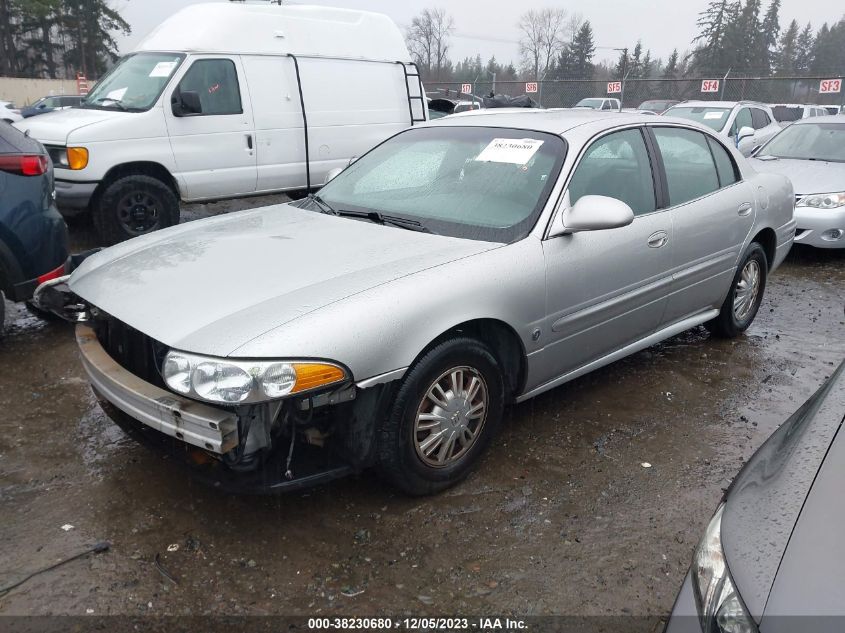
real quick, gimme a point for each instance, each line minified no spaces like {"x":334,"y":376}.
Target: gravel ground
{"x":561,"y":517}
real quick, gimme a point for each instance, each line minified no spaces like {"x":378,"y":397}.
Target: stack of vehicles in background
{"x":198,"y":118}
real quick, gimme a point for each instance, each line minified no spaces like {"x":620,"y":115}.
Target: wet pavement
{"x":561,"y":517}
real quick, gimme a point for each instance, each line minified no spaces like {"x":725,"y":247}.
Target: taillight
{"x":24,"y":165}
{"x":53,"y":274}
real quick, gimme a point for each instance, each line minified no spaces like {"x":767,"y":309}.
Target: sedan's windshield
{"x":473,"y":182}
{"x":135,"y":83}
{"x":809,"y":141}
{"x":714,"y":118}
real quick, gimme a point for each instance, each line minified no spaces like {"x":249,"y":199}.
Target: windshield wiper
{"x":381,"y":218}
{"x":324,"y":206}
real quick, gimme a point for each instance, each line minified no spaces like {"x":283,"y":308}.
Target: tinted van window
{"x":759,"y":119}
{"x":216,"y":82}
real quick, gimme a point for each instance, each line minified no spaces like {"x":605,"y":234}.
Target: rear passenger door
{"x":712,"y":213}
{"x":608,"y":288}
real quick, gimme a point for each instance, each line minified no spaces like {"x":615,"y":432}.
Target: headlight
{"x":720,"y":607}
{"x":823,"y":201}
{"x":70,"y":157}
{"x":244,"y":381}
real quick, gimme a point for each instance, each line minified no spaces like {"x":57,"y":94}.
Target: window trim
{"x":177,"y":90}
{"x":709,"y":138}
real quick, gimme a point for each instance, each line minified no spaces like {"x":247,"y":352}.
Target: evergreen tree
{"x":670,"y":71}
{"x":787,"y":52}
{"x":804,"y":52}
{"x":770,"y":34}
{"x":582,"y":51}
{"x":712,"y":25}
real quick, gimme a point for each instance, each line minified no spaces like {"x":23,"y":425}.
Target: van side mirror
{"x":744,"y":133}
{"x":186,"y":103}
{"x":333,"y":173}
{"x":593,"y":213}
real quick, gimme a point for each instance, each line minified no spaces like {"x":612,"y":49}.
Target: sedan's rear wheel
{"x":445,"y":412}
{"x":746,"y":294}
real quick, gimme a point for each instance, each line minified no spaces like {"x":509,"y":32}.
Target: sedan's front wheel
{"x":746,"y":294}
{"x":448,"y":406}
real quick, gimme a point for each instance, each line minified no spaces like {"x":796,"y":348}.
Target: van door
{"x":214,"y":148}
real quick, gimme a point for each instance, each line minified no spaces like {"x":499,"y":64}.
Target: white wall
{"x":23,"y":92}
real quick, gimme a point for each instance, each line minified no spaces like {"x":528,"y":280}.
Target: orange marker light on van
{"x":77,"y":157}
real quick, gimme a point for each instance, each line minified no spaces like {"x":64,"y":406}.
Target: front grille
{"x":134,"y":351}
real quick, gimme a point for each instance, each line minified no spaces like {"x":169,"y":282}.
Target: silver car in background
{"x":747,"y":123}
{"x":811,"y":153}
{"x":457,"y":267}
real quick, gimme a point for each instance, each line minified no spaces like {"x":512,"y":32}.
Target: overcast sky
{"x":489,"y":27}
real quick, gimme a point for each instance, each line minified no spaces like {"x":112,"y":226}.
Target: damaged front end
{"x":254,"y":447}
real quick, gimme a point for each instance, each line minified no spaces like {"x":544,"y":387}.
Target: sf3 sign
{"x":614,"y":87}
{"x":531,"y":87}
{"x":710,"y":85}
{"x":830,"y":86}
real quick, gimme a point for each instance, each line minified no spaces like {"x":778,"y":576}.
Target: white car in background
{"x":9,"y":113}
{"x":748,"y":123}
{"x":786,"y":113}
{"x":599,"y":103}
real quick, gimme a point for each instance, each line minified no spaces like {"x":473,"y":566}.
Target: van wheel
{"x":133,"y":206}
{"x":746,"y":295}
{"x":448,"y":407}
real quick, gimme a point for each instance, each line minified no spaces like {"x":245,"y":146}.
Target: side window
{"x":759,"y":119}
{"x":690,"y":170}
{"x":216,"y":83}
{"x":605,"y":105}
{"x":743,"y":119}
{"x":617,"y":166}
{"x":725,"y":166}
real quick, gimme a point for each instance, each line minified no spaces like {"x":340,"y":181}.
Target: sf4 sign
{"x":466,"y":89}
{"x":710,"y":85}
{"x":614,"y":87}
{"x":531,"y":87}
{"x":830,"y":86}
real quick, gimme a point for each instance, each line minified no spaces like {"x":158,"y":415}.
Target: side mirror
{"x":744,"y":133}
{"x":186,"y":103}
{"x":593,"y":213}
{"x":333,"y":173}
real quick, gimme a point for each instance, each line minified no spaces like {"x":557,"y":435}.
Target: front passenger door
{"x":607,"y":288}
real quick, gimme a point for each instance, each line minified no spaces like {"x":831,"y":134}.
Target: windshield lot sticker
{"x":163,"y":69}
{"x":713,"y":115}
{"x":509,"y":150}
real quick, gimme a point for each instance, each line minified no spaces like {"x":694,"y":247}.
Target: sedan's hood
{"x":766,"y":498}
{"x":55,"y":127}
{"x":807,"y":176}
{"x":211,"y":286}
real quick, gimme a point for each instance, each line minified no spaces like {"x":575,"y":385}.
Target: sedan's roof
{"x":830,"y":118}
{"x":554,"y":121}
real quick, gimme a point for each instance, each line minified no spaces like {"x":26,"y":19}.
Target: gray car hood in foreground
{"x":807,"y":176}
{"x":764,"y":505}
{"x":212,"y":285}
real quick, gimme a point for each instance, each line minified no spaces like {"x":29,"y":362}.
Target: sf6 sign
{"x":830,"y":86}
{"x":531,"y":87}
{"x":710,"y":85}
{"x":614,"y":87}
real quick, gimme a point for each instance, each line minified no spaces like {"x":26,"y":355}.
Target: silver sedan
{"x":455,"y":268}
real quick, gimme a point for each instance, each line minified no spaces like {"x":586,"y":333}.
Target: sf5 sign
{"x":710,"y":85}
{"x":830,"y":86}
{"x":614,"y":87}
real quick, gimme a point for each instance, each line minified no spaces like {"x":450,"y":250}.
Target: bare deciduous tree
{"x":542,"y":38}
{"x":428,"y":40}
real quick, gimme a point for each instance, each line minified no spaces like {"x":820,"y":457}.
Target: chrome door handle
{"x":744,"y":209}
{"x":658,"y":239}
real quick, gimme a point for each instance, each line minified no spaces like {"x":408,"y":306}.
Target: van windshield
{"x":135,"y":84}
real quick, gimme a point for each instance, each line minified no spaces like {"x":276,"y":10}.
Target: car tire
{"x":746,"y":294}
{"x":132,"y":206}
{"x":410,"y":456}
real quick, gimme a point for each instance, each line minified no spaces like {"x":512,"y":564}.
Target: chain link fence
{"x":565,"y":93}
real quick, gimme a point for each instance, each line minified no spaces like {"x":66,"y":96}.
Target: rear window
{"x":714,"y":118}
{"x":785,"y":114}
{"x":12,"y":141}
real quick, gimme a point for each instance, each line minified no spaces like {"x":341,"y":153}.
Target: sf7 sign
{"x":466,"y":89}
{"x":614,"y":87}
{"x":710,"y":85}
{"x":531,"y":87}
{"x":830,"y":86}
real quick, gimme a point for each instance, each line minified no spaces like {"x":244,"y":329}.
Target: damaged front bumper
{"x":204,"y":426}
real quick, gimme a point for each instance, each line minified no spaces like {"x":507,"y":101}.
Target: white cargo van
{"x":227,"y":100}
